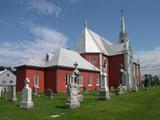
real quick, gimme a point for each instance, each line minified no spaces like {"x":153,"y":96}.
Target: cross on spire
{"x":122,"y":11}
{"x":86,"y":25}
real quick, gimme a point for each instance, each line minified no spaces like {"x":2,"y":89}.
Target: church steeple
{"x":123,"y":36}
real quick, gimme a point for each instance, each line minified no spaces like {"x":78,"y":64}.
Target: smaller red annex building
{"x":53,"y":71}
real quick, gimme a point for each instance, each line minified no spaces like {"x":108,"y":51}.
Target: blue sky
{"x":31,"y":28}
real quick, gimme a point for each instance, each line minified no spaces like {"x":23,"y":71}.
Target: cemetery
{"x":99,"y":104}
{"x":56,"y":77}
{"x":143,"y":105}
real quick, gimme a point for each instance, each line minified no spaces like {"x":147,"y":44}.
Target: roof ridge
{"x":105,"y":40}
{"x":96,"y":42}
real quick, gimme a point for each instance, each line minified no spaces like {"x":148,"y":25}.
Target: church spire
{"x":123,"y":36}
{"x":122,"y":23}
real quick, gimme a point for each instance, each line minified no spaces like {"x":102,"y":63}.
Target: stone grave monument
{"x":34,"y":91}
{"x":72,"y":91}
{"x":122,"y":88}
{"x":72,"y":95}
{"x":26,"y":96}
{"x":48,"y":93}
{"x":80,"y":96}
{"x":104,"y":91}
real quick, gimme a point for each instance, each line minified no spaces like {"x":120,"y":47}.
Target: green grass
{"x":144,"y":105}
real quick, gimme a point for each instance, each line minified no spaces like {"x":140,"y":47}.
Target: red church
{"x":92,"y":53}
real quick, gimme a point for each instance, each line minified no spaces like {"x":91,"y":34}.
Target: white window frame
{"x":90,"y":79}
{"x":67,"y":77}
{"x":97,"y":80}
{"x":80,"y":80}
{"x":36,"y":81}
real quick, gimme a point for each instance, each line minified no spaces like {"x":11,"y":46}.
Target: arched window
{"x":90,"y":80}
{"x":36,"y":80}
{"x":80,"y":80}
{"x":97,"y":80}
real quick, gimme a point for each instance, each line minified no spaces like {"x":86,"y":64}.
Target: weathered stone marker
{"x":26,"y":96}
{"x":72,"y":98}
{"x":48,"y":93}
{"x":14,"y":98}
{"x":72,"y":94}
{"x":80,"y":96}
{"x":104,"y":91}
{"x":34,"y":91}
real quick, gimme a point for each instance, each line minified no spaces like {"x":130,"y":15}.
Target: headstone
{"x":34,"y":91}
{"x":72,"y":95}
{"x":119,"y":90}
{"x":85,"y":91}
{"x":48,"y":93}
{"x":26,"y":96}
{"x":104,"y":91}
{"x":5,"y":93}
{"x":135,"y":88}
{"x":14,"y":98}
{"x":80,"y":96}
{"x":124,"y":88}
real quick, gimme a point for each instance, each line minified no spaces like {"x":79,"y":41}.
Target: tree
{"x":148,"y":80}
{"x":156,"y":80}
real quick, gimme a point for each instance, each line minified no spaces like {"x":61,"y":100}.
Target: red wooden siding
{"x":30,"y":73}
{"x":21,"y":73}
{"x":114,"y":68}
{"x":89,"y":56}
{"x":50,"y":79}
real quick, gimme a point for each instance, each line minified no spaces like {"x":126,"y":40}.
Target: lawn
{"x":144,"y":105}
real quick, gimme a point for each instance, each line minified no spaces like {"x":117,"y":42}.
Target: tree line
{"x":7,"y":68}
{"x":150,"y":80}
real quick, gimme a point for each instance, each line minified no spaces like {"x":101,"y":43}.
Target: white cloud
{"x":150,"y":61}
{"x":44,"y":7}
{"x":46,"y":40}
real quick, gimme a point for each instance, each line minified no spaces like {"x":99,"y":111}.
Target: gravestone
{"x":104,"y":91}
{"x":34,"y":91}
{"x":48,"y":93}
{"x":14,"y":98}
{"x":135,"y":88}
{"x":72,"y":94}
{"x":85,"y":91}
{"x":119,"y":90}
{"x":80,"y":96}
{"x":26,"y":96}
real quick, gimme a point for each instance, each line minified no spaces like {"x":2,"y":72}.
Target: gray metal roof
{"x":63,"y":58}
{"x":91,"y":42}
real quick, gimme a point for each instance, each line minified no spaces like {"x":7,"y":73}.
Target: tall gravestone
{"x":77,"y":76}
{"x":26,"y":96}
{"x":72,"y":94}
{"x":135,"y":88}
{"x":104,"y":91}
{"x":14,"y":98}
